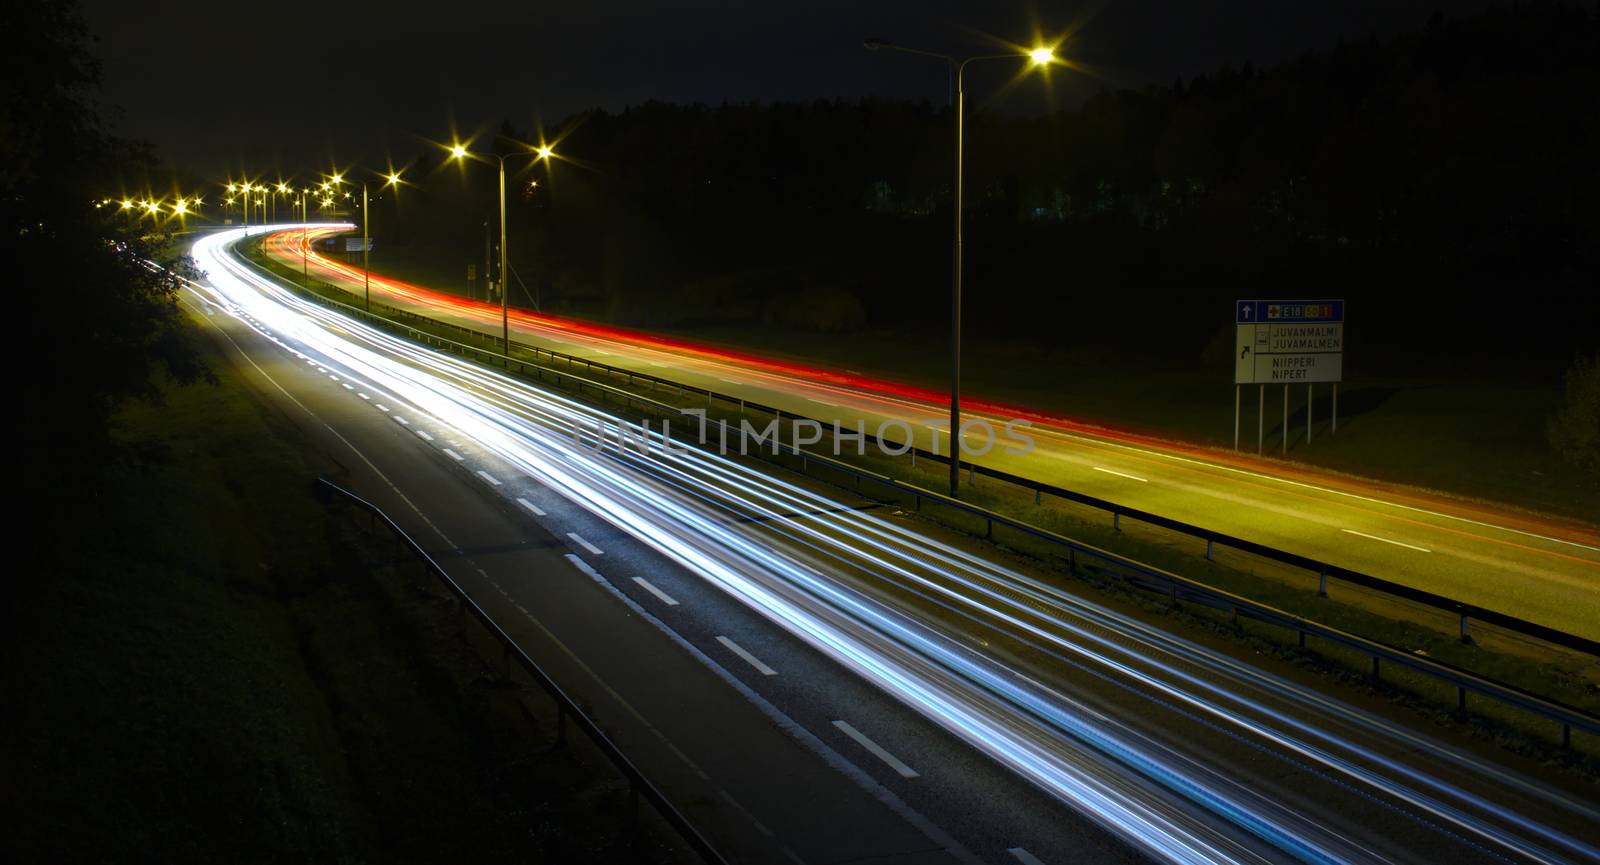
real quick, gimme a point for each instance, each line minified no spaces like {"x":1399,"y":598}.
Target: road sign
{"x":1288,"y":341}
{"x":355,"y":244}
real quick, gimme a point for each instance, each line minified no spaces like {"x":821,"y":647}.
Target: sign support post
{"x":1236,"y":417}
{"x":1261,"y":420}
{"x":1311,"y":399}
{"x":1285,"y":420}
{"x":1335,"y":428}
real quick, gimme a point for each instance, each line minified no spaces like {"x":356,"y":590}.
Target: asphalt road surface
{"x":816,"y":679}
{"x":1543,"y":570}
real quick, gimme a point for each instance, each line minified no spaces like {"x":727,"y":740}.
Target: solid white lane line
{"x":402,"y":421}
{"x":585,"y":544}
{"x":424,"y":436}
{"x":381,"y":406}
{"x":488,"y":477}
{"x":660,"y":595}
{"x":1024,"y":856}
{"x":1386,"y":540}
{"x":877,"y":751}
{"x":824,"y":402}
{"x":453,"y":455}
{"x":752,"y":660}
{"x":1121,"y":475}
{"x":532,"y":507}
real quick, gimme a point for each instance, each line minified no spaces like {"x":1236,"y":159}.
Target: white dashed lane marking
{"x":1385,"y":540}
{"x":660,"y":595}
{"x":877,"y":750}
{"x":585,"y":544}
{"x":750,"y":659}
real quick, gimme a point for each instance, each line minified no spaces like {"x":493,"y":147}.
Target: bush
{"x":1575,"y":430}
{"x":821,"y":310}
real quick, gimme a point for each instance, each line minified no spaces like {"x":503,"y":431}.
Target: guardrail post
{"x":1209,"y":547}
{"x":1376,"y":677}
{"x":988,"y":528}
{"x":1036,"y":494}
{"x":1322,"y":583}
{"x":1300,"y":637}
{"x":1116,"y":520}
{"x":1461,"y":699}
{"x":1465,"y":637}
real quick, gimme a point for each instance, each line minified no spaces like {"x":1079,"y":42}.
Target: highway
{"x":817,"y":679}
{"x":1544,"y":570}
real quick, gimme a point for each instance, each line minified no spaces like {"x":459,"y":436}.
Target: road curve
{"x":1545,"y":571}
{"x":1176,"y":751}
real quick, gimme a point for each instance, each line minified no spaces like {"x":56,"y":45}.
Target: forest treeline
{"x":1447,"y":176}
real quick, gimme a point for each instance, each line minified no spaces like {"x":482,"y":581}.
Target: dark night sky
{"x":275,"y":87}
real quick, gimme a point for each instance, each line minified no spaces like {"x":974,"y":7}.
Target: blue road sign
{"x":1288,"y":311}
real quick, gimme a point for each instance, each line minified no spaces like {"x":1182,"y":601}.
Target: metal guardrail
{"x":1081,"y":558}
{"x":1465,"y":612}
{"x":566,"y":707}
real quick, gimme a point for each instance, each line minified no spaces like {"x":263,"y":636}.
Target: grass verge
{"x":208,"y":667}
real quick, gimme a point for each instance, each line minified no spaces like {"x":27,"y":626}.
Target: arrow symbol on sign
{"x":1245,"y":310}
{"x":1244,"y":351}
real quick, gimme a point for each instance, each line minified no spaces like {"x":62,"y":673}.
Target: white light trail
{"x":1160,"y":801}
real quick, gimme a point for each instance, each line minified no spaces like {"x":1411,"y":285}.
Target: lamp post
{"x":305,"y":239}
{"x":958,"y":68}
{"x":390,"y":179}
{"x":542,"y":152}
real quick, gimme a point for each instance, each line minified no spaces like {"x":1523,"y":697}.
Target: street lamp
{"x":390,"y":179}
{"x":1040,"y":57}
{"x":543,"y":152}
{"x":305,"y":239}
{"x":244,"y":204}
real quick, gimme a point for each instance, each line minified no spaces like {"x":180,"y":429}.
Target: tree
{"x":99,"y":326}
